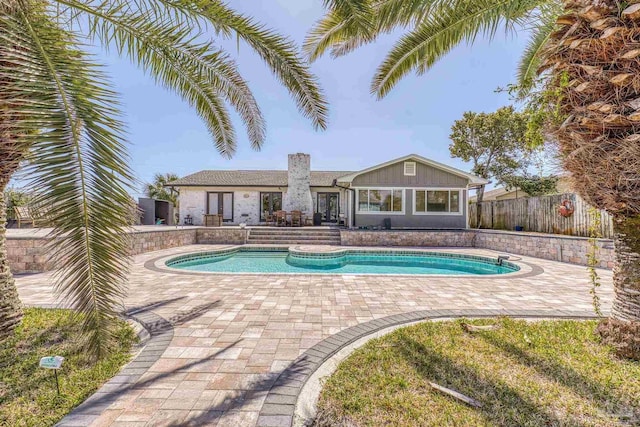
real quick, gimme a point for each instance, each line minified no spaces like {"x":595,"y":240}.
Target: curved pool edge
{"x":524,"y":269}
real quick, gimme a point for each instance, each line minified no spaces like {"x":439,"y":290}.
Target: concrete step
{"x":289,"y":237}
{"x":296,"y":232}
{"x":294,"y":242}
{"x":294,"y":236}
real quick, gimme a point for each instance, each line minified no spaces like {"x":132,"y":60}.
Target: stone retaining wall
{"x":553,"y":247}
{"x":431,"y":238}
{"x":547,"y":246}
{"x":29,"y":254}
{"x":148,"y":241}
{"x":222,"y":235}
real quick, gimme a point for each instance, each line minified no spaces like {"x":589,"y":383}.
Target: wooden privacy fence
{"x":540,"y":214}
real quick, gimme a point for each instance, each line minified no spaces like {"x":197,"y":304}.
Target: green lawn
{"x":28,"y":393}
{"x":547,"y":373}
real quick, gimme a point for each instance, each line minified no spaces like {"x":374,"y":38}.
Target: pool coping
{"x":280,"y":408}
{"x":526,"y":269}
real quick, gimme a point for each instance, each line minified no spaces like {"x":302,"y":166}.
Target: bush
{"x":624,"y":337}
{"x":14,"y":198}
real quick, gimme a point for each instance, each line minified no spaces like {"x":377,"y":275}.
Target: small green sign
{"x":51,"y":362}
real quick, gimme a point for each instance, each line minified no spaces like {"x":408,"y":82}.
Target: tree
{"x":593,"y":86}
{"x":533,"y":185}
{"x":57,"y":105}
{"x":494,"y":143}
{"x":13,"y":198}
{"x":589,"y":66}
{"x":158,"y":189}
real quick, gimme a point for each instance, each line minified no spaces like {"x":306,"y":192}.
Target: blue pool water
{"x":252,"y":261}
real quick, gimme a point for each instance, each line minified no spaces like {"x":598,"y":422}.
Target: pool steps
{"x":294,"y":236}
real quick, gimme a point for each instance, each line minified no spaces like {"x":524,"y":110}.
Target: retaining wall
{"x":553,"y":247}
{"x":222,"y":235}
{"x":29,"y":254}
{"x":432,"y":238}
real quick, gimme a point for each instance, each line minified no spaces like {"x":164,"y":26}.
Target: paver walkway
{"x":233,"y":334}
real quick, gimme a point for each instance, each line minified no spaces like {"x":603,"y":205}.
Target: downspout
{"x":334,"y":183}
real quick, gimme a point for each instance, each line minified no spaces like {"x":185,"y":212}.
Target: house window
{"x":437,"y":201}
{"x":409,"y":168}
{"x":380,"y":200}
{"x":269,"y":203}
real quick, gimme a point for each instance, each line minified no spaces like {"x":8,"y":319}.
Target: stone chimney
{"x":298,"y":197}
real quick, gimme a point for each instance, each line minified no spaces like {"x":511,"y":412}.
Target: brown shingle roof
{"x":250,"y":178}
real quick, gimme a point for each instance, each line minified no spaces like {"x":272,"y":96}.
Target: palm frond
{"x":359,"y":12}
{"x":194,"y":70}
{"x":77,"y":163}
{"x":530,"y":60}
{"x":278,"y":52}
{"x":445,"y":28}
{"x":349,"y":7}
{"x":392,"y":14}
{"x":341,"y":35}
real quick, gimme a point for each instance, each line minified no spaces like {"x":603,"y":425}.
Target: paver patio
{"x":233,"y":334}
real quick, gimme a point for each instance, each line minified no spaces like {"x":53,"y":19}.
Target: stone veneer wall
{"x":148,"y":241}
{"x":432,"y":238}
{"x":29,"y":255}
{"x":546,"y":246}
{"x":222,"y":235}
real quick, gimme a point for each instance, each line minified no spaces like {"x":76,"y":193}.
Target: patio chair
{"x":269,"y":218}
{"x":281,"y":218}
{"x":342,"y":220}
{"x":24,"y":215}
{"x":296,"y":218}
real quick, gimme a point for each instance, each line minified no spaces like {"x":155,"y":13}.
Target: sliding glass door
{"x":221,"y":204}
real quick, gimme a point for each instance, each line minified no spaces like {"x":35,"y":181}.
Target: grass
{"x":28,"y":394}
{"x":547,"y":373}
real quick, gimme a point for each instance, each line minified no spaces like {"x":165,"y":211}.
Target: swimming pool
{"x":250,"y":260}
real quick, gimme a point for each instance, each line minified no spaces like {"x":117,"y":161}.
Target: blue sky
{"x":167,"y":136}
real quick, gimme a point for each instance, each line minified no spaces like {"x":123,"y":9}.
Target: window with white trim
{"x":409,"y":168}
{"x":438,"y":201}
{"x":380,"y":200}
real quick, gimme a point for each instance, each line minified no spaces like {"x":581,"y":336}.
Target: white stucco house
{"x":410,"y":192}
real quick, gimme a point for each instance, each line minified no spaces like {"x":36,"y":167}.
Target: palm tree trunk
{"x":626,"y":277}
{"x":10,"y":306}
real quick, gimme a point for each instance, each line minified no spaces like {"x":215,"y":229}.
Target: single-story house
{"x":410,"y":192}
{"x":502,"y":193}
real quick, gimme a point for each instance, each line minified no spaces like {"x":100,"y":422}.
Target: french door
{"x":221,"y":204}
{"x":329,"y":206}
{"x":270,"y":202}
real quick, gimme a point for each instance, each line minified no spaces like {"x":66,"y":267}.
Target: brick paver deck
{"x":232,"y":335}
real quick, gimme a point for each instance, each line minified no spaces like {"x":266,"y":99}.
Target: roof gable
{"x":473,"y":179}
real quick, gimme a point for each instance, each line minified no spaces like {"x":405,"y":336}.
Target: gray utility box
{"x":156,"y":211}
